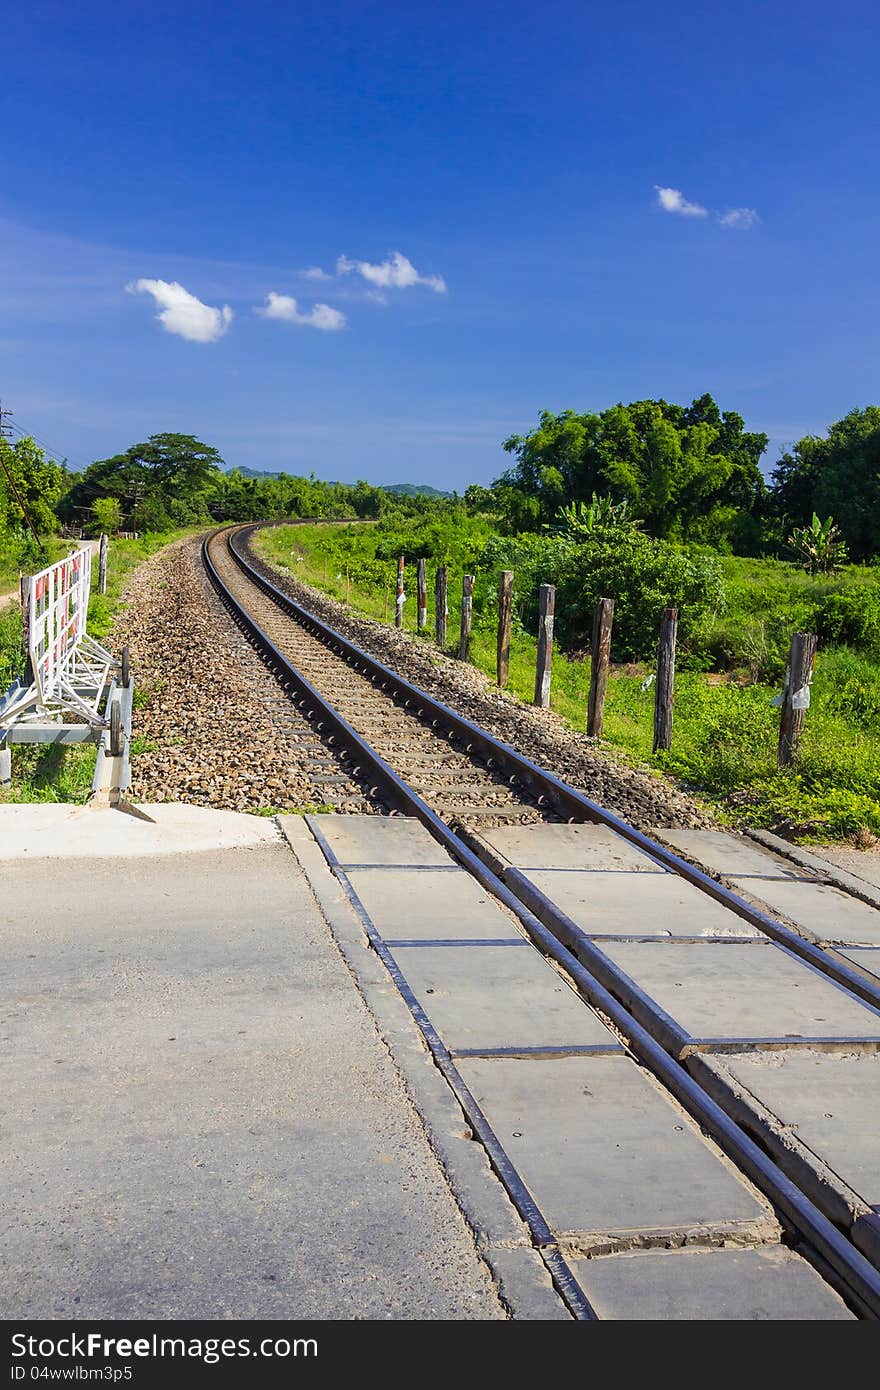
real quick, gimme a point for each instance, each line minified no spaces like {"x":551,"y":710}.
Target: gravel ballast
{"x":643,"y":799}
{"x":217,"y":730}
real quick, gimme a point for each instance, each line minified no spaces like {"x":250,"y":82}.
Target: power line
{"x":47,"y":448}
{"x":4,"y":431}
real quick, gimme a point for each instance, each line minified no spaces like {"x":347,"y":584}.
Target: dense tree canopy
{"x":176,"y":480}
{"x":686,"y":474}
{"x":687,"y":471}
{"x":838,"y":476}
{"x":29,"y":483}
{"x":166,"y":480}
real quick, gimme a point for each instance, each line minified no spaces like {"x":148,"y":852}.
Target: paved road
{"x":198,"y":1117}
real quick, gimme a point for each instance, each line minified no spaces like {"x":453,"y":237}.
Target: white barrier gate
{"x":68,"y":668}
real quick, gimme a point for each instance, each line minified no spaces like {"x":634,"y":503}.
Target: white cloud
{"x":181,"y":313}
{"x":740,"y":218}
{"x":673,"y":200}
{"x":284,"y":306}
{"x":395,"y":273}
{"x":315,"y":272}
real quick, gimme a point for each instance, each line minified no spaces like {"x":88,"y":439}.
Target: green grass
{"x":16,"y":557}
{"x":725,"y":732}
{"x":51,"y":772}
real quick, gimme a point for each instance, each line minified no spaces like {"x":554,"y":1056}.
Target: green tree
{"x":839,"y":476}
{"x":108,"y":515}
{"x":682,"y":468}
{"x":177,"y":471}
{"x":31,"y":483}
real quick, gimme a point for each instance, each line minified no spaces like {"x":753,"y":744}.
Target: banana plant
{"x":820,"y":548}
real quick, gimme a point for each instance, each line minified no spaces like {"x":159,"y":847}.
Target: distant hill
{"x":254,"y":472}
{"x":415,"y":490}
{"x":401,"y":489}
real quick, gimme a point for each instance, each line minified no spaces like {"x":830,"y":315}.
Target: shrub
{"x":851,"y":617}
{"x":643,"y":576}
{"x":849,"y":685}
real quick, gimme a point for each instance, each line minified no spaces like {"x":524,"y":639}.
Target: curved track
{"x":467,"y":788}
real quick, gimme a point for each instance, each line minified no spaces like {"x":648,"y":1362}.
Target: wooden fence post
{"x":505,"y":609}
{"x":664,"y":691}
{"x":599,"y":663}
{"x":102,"y":563}
{"x":441,"y":609}
{"x":467,"y":616}
{"x":422,"y":573}
{"x":546,"y":610}
{"x":796,"y":695}
{"x":398,"y":607}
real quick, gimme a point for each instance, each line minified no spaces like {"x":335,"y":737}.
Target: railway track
{"x":557,"y":862}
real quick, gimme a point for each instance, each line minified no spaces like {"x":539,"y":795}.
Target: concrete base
{"x":58,"y":831}
{"x":608,"y":1158}
{"x":379,"y":840}
{"x":721,"y":852}
{"x":638,"y":905}
{"x":202,"y":1121}
{"x":430,"y":905}
{"x":490,"y":997}
{"x":723,"y":1285}
{"x":866,"y":959}
{"x":816,"y":1112}
{"x":750,"y":992}
{"x":546,"y":846}
{"x":820,"y":911}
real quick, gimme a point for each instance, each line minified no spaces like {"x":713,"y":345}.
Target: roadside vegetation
{"x":649,"y":503}
{"x":732,"y":656}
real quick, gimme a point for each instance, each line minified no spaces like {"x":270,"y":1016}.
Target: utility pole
{"x":4,"y":431}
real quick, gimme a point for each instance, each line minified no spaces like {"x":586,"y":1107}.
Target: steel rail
{"x":830,"y":1250}
{"x":552,"y":789}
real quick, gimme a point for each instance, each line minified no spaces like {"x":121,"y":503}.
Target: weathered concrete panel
{"x":615,"y":904}
{"x":754,"y":1285}
{"x":742,"y":990}
{"x":724,"y":853}
{"x":819,"y":909}
{"x":499,"y":996}
{"x":546,"y":846}
{"x":430,"y":905}
{"x":379,"y":840}
{"x":830,"y":1101}
{"x":865,"y":957}
{"x":605,"y":1154}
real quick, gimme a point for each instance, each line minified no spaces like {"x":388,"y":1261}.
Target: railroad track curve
{"x":564,"y":868}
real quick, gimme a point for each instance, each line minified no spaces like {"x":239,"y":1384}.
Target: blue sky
{"x":512,"y":154}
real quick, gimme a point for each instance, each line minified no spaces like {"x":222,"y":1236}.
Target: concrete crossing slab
{"x":725,"y":1285}
{"x":379,"y":840}
{"x":824,"y":912}
{"x":865,"y":957}
{"x":488,"y":997}
{"x":586,"y":846}
{"x":430,"y":905}
{"x":742,"y":990}
{"x":637,"y":904}
{"x":829,"y":1101}
{"x":724,"y":853}
{"x":607,"y":1157}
